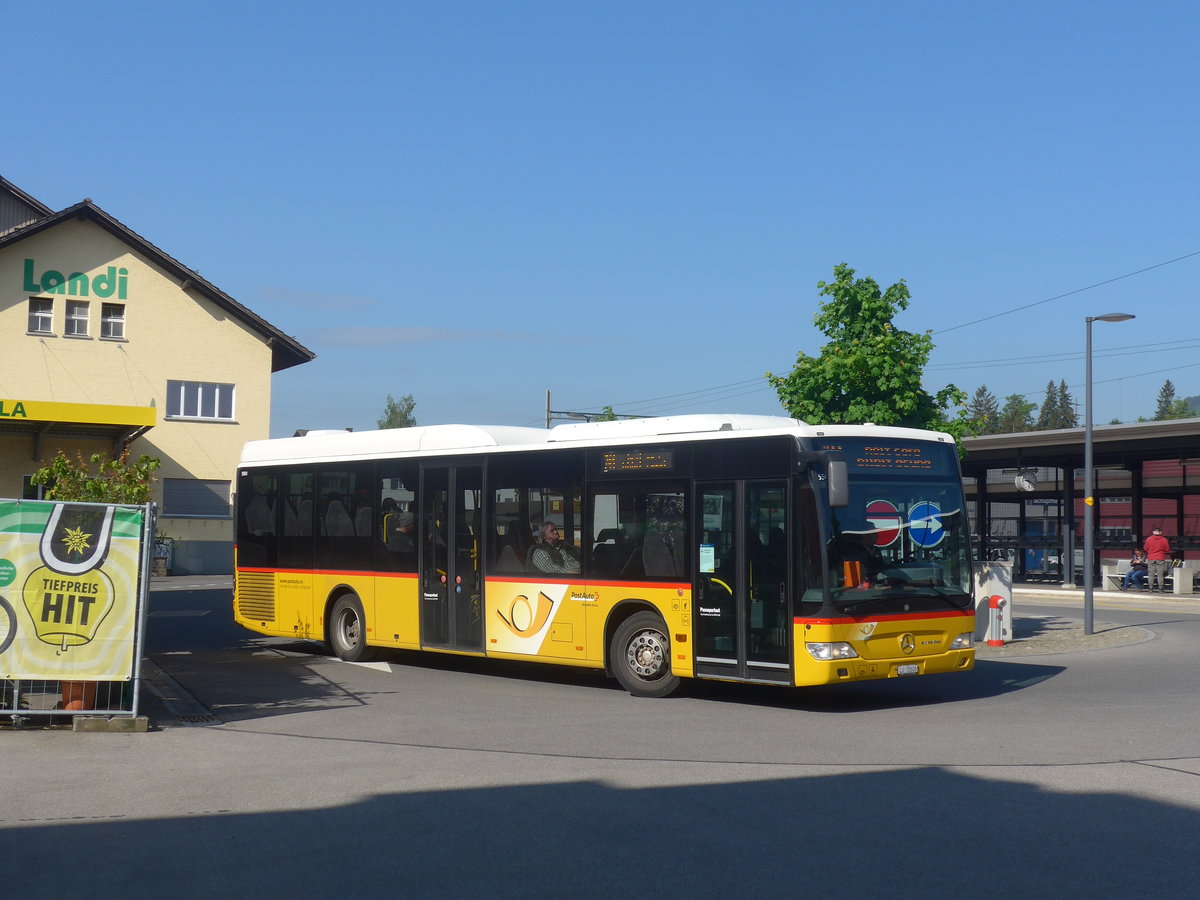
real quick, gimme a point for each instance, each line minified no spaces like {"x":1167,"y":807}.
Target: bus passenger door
{"x":451,"y":600}
{"x":741,"y":611}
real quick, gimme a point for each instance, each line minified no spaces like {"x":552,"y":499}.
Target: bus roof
{"x":316,"y":446}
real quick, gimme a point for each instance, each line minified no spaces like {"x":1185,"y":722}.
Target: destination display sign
{"x":637,"y":460}
{"x":885,"y":456}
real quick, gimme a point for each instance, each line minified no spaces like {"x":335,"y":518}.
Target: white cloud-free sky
{"x":631,"y":203}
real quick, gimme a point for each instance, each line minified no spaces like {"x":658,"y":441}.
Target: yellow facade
{"x":97,"y":325}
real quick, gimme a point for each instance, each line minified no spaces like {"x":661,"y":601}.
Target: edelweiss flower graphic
{"x":76,"y":540}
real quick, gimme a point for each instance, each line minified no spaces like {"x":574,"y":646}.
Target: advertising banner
{"x":69,"y":585}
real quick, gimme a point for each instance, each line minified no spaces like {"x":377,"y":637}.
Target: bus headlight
{"x":964,"y":641}
{"x":829,"y":650}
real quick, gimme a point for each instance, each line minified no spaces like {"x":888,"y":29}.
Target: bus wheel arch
{"x":639,"y":652}
{"x":346,"y":627}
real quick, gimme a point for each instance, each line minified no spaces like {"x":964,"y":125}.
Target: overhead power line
{"x":1070,"y":293}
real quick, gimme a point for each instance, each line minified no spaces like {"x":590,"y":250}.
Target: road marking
{"x":377,"y":666}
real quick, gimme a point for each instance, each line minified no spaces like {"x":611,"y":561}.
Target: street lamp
{"x":1089,"y":500}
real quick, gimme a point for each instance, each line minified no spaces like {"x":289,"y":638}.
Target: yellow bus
{"x":739,"y":548}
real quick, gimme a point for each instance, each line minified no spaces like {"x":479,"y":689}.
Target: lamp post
{"x":1089,"y":500}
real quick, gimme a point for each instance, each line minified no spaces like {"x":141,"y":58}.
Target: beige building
{"x":110,"y":343}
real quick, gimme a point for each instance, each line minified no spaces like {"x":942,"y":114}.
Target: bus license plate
{"x":908,"y":669}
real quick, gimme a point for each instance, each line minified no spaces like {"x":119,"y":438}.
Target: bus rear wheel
{"x":640,"y":656}
{"x":348,"y":630}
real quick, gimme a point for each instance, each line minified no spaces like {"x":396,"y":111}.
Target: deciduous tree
{"x":110,"y":481}
{"x":870,"y":370}
{"x":398,"y":413}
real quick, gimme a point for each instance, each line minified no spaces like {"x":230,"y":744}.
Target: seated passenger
{"x":398,"y":528}
{"x":552,"y":556}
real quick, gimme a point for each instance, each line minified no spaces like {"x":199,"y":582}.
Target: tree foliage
{"x":112,"y":481}
{"x":398,"y":413}
{"x":984,"y":411}
{"x":1170,"y":406}
{"x":870,"y":370}
{"x":1058,"y":409}
{"x":1016,"y":414}
{"x":1068,"y":417}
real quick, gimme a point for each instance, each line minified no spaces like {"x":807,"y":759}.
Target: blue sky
{"x":631,"y":203}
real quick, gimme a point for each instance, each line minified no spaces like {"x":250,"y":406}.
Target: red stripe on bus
{"x":842,"y":620}
{"x":527,"y":578}
{"x":352,"y":573}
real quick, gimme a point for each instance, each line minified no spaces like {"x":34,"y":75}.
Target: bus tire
{"x":348,"y":630}
{"x":640,"y":656}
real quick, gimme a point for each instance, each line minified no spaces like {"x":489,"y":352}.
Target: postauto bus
{"x":738,"y":548}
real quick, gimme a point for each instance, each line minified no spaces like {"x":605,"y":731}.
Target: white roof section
{"x":319,"y":445}
{"x":665,"y":425}
{"x":445,"y":440}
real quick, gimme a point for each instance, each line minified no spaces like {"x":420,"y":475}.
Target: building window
{"x":200,"y":400}
{"x":41,"y":316}
{"x":191,"y":498}
{"x":29,"y":490}
{"x":77,"y":318}
{"x":112,"y":320}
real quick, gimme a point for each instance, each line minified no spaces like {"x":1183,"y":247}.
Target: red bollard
{"x":995,"y":631}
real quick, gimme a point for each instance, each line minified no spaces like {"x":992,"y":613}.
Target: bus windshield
{"x":902,"y":543}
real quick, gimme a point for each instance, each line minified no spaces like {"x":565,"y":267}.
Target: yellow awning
{"x":14,"y":411}
{"x":42,"y":419}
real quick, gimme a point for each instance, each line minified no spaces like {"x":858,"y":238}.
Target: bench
{"x":1114,"y":575}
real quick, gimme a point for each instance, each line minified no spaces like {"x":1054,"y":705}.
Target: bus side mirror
{"x":839,"y":488}
{"x":835,"y":474}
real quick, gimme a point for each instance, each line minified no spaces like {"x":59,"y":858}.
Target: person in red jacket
{"x":1158,"y":553}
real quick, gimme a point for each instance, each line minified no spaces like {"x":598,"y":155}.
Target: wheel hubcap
{"x":350,"y":629}
{"x":647,"y":654}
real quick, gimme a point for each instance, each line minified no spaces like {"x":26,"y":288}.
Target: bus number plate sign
{"x":908,"y":669}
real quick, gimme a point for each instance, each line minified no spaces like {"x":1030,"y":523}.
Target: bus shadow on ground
{"x":987,"y":679}
{"x":592,"y":838}
{"x":265,"y":678}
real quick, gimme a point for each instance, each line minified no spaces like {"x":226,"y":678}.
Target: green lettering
{"x":19,"y":410}
{"x":105,"y":284}
{"x":31,"y":286}
{"x":77,"y":284}
{"x":122,"y":283}
{"x":53,"y":282}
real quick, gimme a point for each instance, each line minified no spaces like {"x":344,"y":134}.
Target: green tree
{"x":1058,"y":409}
{"x":1166,"y":399}
{"x":1048,"y":414}
{"x":112,"y":481}
{"x":1016,"y":414}
{"x":1170,"y":406}
{"x":984,"y":409}
{"x":1068,"y":418}
{"x":606,"y":414}
{"x":398,"y":413}
{"x":869,"y":371}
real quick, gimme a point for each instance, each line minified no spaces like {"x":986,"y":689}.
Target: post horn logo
{"x":525,"y":619}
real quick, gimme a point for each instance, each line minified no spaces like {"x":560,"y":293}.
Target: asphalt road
{"x":428,"y":776}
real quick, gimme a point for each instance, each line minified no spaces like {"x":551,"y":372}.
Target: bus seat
{"x":305,"y":518}
{"x":507,"y":561}
{"x":337,"y":520}
{"x":362,"y":522}
{"x":658,"y":556}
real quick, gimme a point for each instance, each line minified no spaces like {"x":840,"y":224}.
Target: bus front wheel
{"x":348,"y":630}
{"x":641,"y":656}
